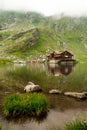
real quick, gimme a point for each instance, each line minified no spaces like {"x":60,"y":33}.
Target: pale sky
{"x":47,"y":7}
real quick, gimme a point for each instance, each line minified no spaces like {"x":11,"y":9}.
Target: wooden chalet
{"x":60,"y":56}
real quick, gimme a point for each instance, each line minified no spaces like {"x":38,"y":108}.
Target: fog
{"x":47,"y":7}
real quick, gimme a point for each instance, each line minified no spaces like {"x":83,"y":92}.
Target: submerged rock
{"x":7,"y":92}
{"x":55,"y":91}
{"x":31,"y":87}
{"x":78,"y":95}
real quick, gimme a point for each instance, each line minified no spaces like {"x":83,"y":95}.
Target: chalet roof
{"x":61,"y":52}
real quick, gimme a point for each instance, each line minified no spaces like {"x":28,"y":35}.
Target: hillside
{"x":31,"y":35}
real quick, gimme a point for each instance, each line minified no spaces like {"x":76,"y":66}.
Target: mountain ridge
{"x":32,"y":35}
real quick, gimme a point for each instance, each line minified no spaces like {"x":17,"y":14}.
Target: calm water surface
{"x":62,"y":109}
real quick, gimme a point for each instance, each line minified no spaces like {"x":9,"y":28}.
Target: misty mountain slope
{"x":32,"y":34}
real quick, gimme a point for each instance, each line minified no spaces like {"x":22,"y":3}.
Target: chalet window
{"x":66,"y":56}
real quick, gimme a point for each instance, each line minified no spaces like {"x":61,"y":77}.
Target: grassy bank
{"x":17,"y":105}
{"x":6,"y":60}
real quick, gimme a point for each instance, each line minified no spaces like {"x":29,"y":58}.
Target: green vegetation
{"x":17,"y":105}
{"x":76,"y":125}
{"x":5,"y":60}
{"x":32,"y":35}
{"x":0,"y":127}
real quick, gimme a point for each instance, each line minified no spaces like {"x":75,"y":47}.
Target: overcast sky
{"x":47,"y":7}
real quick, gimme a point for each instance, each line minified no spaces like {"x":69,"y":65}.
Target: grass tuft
{"x":76,"y":125}
{"x":17,"y":105}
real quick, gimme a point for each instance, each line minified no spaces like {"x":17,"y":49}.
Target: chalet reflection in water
{"x":59,"y":70}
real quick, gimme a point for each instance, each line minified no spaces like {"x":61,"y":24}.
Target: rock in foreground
{"x":31,"y":87}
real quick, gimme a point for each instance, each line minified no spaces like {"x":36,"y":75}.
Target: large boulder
{"x":31,"y":87}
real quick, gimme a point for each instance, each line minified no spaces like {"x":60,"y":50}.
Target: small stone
{"x":55,"y":91}
{"x":85,"y":122}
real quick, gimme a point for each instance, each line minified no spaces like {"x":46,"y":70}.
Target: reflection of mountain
{"x":58,"y":70}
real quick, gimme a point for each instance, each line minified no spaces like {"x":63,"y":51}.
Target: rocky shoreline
{"x":78,"y":95}
{"x":31,"y":87}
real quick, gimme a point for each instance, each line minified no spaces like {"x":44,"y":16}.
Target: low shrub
{"x":33,"y":104}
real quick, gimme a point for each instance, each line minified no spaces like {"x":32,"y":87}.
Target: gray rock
{"x":7,"y":92}
{"x":76,"y":95}
{"x":55,"y":91}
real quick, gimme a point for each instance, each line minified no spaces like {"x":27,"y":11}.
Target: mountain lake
{"x":65,"y":77}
